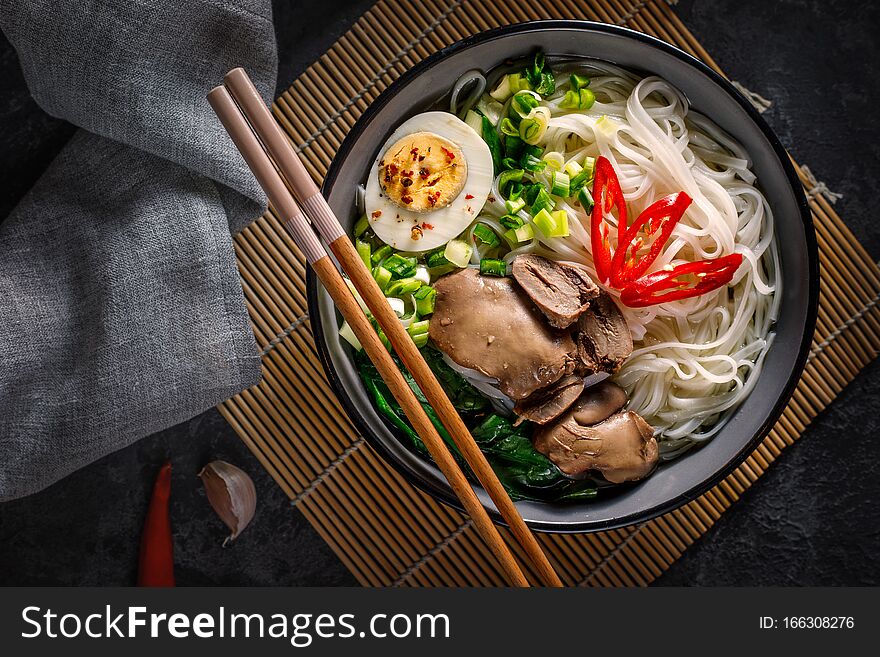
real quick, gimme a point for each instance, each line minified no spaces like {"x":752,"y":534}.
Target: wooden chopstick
{"x":298,"y":226}
{"x":325,"y":221}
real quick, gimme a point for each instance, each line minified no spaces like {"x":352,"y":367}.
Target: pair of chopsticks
{"x":264,"y":147}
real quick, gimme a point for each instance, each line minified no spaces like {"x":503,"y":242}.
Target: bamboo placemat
{"x":383,"y":529}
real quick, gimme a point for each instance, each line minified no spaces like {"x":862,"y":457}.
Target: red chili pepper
{"x":662,"y":215}
{"x":607,"y":196}
{"x":688,"y":280}
{"x":156,"y":565}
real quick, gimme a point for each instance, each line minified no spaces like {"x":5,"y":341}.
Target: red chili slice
{"x":662,"y":215}
{"x":607,"y":196}
{"x":690,"y":279}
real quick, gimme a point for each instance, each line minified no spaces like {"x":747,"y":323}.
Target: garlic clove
{"x":231,"y":494}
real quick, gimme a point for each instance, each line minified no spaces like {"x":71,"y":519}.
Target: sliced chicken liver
{"x":562,"y":292}
{"x":488,"y":324}
{"x":603,"y":338}
{"x":621,"y":448}
{"x":546,"y":405}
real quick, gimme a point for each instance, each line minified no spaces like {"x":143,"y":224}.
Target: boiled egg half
{"x":431,"y":178}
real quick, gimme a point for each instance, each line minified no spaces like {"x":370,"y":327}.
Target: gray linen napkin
{"x":121,"y":311}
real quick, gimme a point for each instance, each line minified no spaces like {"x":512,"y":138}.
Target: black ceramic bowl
{"x":688,"y":477}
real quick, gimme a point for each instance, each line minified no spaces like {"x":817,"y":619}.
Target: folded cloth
{"x":121,"y":310}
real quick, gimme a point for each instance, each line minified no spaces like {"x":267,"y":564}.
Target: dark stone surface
{"x":812,"y":519}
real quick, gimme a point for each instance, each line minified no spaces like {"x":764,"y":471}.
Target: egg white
{"x":394,"y":225}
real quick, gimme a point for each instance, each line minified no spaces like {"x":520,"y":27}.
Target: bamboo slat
{"x":384,"y":530}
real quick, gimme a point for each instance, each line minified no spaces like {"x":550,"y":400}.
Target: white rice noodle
{"x":695,"y":360}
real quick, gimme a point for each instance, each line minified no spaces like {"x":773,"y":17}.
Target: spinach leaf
{"x":462,"y":394}
{"x":524,"y":472}
{"x":490,"y":136}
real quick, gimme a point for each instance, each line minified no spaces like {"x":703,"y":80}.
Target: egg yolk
{"x":422,"y":172}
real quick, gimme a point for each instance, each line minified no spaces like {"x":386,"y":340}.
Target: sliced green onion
{"x":508,"y":163}
{"x":436,"y":258}
{"x":382,"y":277}
{"x":513,"y":146}
{"x":531,"y":192}
{"x":511,"y":221}
{"x":416,"y":328}
{"x":515,"y":206}
{"x":458,"y":252}
{"x":515,"y":191}
{"x":475,"y":121}
{"x":397,"y":305}
{"x":507,"y":177}
{"x":384,"y":338}
{"x":586,"y":98}
{"x":542,"y":202}
{"x":492,"y":141}
{"x":554,"y":160}
{"x":561,"y":217}
{"x":490,"y":267}
{"x":381,"y":254}
{"x":400,"y":266}
{"x":522,"y":234}
{"x":544,"y":221}
{"x":531,"y":163}
{"x":522,"y":104}
{"x":420,"y":340}
{"x":348,"y":335}
{"x":534,"y":126}
{"x":538,"y":63}
{"x":423,"y":274}
{"x":363,"y":249}
{"x":553,"y":224}
{"x":559,"y":184}
{"x":582,"y":99}
{"x":486,"y":235}
{"x":403,"y":286}
{"x":586,"y":199}
{"x":489,"y":108}
{"x":578,"y":82}
{"x":518,"y":83}
{"x":590,"y":165}
{"x":361,"y":226}
{"x":547,"y":84}
{"x":572,"y":168}
{"x":357,"y":296}
{"x":530,"y":131}
{"x":502,"y":90}
{"x":507,"y":128}
{"x":570,"y":101}
{"x":425,"y":298}
{"x":579,"y":181}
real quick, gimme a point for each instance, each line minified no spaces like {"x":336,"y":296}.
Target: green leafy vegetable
{"x":524,"y":472}
{"x":539,"y":76}
{"x":490,"y":136}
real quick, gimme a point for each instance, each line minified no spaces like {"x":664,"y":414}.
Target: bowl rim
{"x":442,"y":492}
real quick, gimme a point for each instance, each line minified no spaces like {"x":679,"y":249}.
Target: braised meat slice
{"x":488,"y":324}
{"x":546,"y":405}
{"x":562,"y":292}
{"x":621,"y":448}
{"x":603,"y":338}
{"x":598,"y":403}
